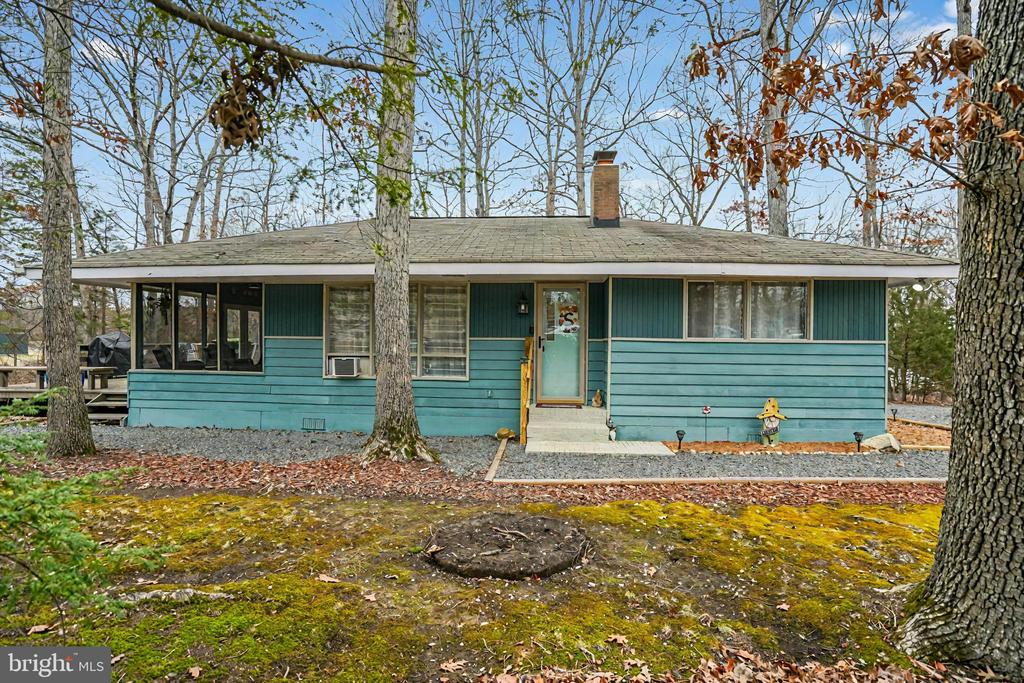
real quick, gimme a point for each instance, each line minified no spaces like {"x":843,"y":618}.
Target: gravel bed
{"x":580,"y":466}
{"x":462,"y":455}
{"x":942,"y":415}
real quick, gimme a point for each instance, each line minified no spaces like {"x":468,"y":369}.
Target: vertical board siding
{"x":827,"y":391}
{"x":493,"y":309}
{"x":849,"y":310}
{"x":293,"y":388}
{"x":647,"y":308}
{"x":294,"y":310}
{"x":597,"y":310}
{"x":597,"y":368}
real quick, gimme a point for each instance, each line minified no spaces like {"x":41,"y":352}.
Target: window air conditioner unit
{"x":338,"y":366}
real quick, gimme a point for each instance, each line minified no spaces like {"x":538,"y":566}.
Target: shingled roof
{"x":506,"y":241}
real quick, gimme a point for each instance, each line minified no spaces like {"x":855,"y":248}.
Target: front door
{"x":560,"y":344}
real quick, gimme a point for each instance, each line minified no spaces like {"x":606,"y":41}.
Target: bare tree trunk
{"x":67,"y":418}
{"x":870,"y":236}
{"x":85,"y":292}
{"x":396,"y":431}
{"x":778,"y":197}
{"x":971,"y":606}
{"x":218,"y":187}
{"x":963,"y":28}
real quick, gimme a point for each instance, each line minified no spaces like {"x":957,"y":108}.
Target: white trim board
{"x":556,"y":271}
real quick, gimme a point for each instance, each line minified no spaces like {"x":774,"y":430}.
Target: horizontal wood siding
{"x":597,"y":310}
{"x":849,"y":310}
{"x":493,"y":309}
{"x":294,"y":310}
{"x":597,"y":368}
{"x":294,"y":388}
{"x":647,"y":308}
{"x":827,"y":391}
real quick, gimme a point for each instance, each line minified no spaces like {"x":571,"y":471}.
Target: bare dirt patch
{"x":507,"y":545}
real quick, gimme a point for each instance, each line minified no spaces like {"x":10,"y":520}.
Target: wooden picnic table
{"x":98,"y":375}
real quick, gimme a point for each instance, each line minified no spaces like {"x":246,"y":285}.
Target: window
{"x":200,"y":326}
{"x":715,"y":310}
{"x":443,"y":343}
{"x":778,"y":310}
{"x":348,"y":322}
{"x":438,"y":330}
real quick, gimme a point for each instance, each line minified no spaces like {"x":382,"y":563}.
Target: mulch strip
{"x":345,"y":475}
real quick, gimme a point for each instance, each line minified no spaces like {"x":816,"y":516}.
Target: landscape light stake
{"x":894,"y":413}
{"x":680,"y":434}
{"x":858,"y":437}
{"x":707,"y":411}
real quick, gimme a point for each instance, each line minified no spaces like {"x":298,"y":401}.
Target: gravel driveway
{"x":573,"y":466}
{"x":925,"y":413}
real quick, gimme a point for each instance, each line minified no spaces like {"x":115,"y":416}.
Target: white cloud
{"x":101,"y":49}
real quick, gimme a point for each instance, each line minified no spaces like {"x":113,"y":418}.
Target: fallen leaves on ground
{"x":345,"y":474}
{"x":741,"y":666}
{"x":916,"y":435}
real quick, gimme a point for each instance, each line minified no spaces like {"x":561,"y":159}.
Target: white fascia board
{"x":561,"y":271}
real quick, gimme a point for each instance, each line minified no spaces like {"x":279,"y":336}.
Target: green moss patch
{"x":335,"y":589}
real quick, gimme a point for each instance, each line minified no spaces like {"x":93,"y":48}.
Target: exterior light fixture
{"x":858,"y":437}
{"x":680,"y":435}
{"x":919,"y":285}
{"x":894,"y":413}
{"x":522,"y":306}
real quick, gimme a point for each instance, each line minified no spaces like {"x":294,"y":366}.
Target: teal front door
{"x":560,"y":344}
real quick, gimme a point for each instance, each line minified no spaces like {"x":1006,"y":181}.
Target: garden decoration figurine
{"x":771,"y":418}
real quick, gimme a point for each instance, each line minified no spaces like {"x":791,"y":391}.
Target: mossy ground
{"x":674,"y":579}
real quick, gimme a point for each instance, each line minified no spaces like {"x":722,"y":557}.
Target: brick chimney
{"x":604,"y":191}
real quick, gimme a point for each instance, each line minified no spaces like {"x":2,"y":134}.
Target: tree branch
{"x":264,"y":42}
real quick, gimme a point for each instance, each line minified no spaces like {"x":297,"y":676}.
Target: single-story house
{"x":275,"y":330}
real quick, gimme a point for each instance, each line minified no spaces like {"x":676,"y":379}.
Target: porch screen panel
{"x":156,"y":325}
{"x":241,"y":331}
{"x":444,"y":330}
{"x":778,"y":310}
{"x":196,"y":314}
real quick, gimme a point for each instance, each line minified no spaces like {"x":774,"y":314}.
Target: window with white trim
{"x":715,"y":310}
{"x":778,"y":310}
{"x":438,"y":328}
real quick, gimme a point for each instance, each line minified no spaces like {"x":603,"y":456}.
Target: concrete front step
{"x":567,"y":432}
{"x":602,"y":448}
{"x":574,"y":416}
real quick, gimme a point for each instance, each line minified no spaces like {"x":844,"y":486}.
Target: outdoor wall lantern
{"x":919,"y":285}
{"x":523,"y":306}
{"x":680,"y":435}
{"x":858,"y":437}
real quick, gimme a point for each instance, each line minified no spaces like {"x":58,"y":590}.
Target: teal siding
{"x":597,"y":368}
{"x":647,"y":308}
{"x":597,"y":310}
{"x":294,"y":310}
{"x":828,"y":391}
{"x":849,"y":310}
{"x":293,"y":388}
{"x":492,"y":309}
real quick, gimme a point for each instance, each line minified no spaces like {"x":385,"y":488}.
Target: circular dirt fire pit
{"x":507,"y":546}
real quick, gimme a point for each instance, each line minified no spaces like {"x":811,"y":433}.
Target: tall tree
{"x":67,"y":417}
{"x":971,"y":607}
{"x":396,"y":432}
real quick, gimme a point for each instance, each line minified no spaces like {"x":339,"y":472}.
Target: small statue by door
{"x":771,"y":418}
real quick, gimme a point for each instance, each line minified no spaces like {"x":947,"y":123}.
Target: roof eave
{"x":122,"y":275}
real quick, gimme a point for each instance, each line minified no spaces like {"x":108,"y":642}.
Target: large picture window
{"x":438,"y":329}
{"x":200,"y":326}
{"x":778,"y":310}
{"x":715,"y":310}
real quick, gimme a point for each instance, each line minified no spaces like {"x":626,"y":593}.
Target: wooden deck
{"x":105,"y":405}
